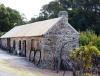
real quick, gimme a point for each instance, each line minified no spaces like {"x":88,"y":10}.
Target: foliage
{"x":1,"y":33}
{"x":86,"y":74}
{"x":88,"y":37}
{"x":88,"y":51}
{"x":84,"y":54}
{"x":48,"y":11}
{"x":83,"y":14}
{"x":9,"y":18}
{"x":97,"y":43}
{"x":83,"y":40}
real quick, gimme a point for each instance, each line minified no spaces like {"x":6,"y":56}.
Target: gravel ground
{"x":3,"y":73}
{"x":11,"y":65}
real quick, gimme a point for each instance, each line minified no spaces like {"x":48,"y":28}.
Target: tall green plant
{"x":83,"y":39}
{"x":97,"y":43}
{"x":88,"y":37}
{"x":83,"y":56}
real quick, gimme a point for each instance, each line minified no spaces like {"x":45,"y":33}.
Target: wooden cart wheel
{"x":37,"y":57}
{"x":31,"y":55}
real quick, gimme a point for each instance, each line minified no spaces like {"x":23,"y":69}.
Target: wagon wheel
{"x":32,"y":56}
{"x":37,"y":57}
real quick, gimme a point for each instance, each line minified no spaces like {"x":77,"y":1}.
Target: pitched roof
{"x":32,"y":29}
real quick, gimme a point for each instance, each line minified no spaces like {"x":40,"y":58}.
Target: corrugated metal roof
{"x":33,"y":29}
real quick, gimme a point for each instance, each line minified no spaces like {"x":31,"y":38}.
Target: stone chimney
{"x":63,"y":14}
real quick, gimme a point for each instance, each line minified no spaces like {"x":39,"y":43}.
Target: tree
{"x":1,"y":33}
{"x":4,"y":20}
{"x":49,"y":11}
{"x":84,"y":14}
{"x":9,"y":18}
{"x":14,"y":17}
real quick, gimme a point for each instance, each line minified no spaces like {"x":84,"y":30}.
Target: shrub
{"x":86,"y":74}
{"x":83,"y":40}
{"x":97,"y":43}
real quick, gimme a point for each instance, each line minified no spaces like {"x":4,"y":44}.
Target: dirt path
{"x":11,"y":65}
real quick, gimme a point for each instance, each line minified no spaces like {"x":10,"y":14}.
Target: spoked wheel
{"x":37,"y":57}
{"x":32,"y":56}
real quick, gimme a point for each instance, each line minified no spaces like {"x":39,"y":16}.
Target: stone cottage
{"x":45,"y":42}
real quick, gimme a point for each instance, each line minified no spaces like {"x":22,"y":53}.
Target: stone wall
{"x":60,"y":37}
{"x":3,"y":43}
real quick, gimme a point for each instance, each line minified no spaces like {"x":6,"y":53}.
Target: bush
{"x":86,"y":74}
{"x":89,"y":38}
{"x":83,"y":40}
{"x":97,"y":43}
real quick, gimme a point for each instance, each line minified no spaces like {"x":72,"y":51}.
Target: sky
{"x":30,"y":8}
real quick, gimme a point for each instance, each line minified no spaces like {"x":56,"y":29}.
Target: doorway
{"x":13,"y":47}
{"x":19,"y":44}
{"x":20,"y":48}
{"x":8,"y":44}
{"x":24,"y":48}
{"x":0,"y":43}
